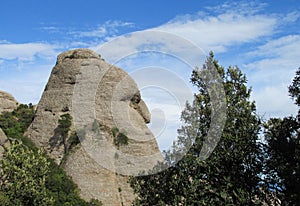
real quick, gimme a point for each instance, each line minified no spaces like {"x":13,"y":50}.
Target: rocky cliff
{"x":109,"y":118}
{"x":3,"y":142}
{"x":7,"y":102}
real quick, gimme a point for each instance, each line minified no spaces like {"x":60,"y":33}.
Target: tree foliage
{"x":283,"y":152}
{"x":231,"y":175}
{"x":16,"y":122}
{"x":23,"y":176}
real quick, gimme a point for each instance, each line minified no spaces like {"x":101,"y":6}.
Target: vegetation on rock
{"x":27,"y":175}
{"x":16,"y":122}
{"x":120,"y":138}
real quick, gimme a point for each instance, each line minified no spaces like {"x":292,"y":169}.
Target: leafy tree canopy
{"x":231,"y":174}
{"x":282,"y":136}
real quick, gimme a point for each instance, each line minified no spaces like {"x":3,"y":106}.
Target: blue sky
{"x":261,"y":37}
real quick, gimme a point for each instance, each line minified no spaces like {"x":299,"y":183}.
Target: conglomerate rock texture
{"x":7,"y":102}
{"x":106,"y":106}
{"x":3,"y":142}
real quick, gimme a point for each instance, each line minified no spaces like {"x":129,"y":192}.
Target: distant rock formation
{"x":7,"y":102}
{"x":110,"y":119}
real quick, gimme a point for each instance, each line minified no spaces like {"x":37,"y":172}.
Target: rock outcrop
{"x":4,"y":143}
{"x":7,"y":102}
{"x":108,"y":116}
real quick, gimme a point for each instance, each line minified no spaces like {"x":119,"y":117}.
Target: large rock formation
{"x":7,"y":102}
{"x":109,"y":118}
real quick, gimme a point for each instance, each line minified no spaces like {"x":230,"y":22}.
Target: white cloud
{"x":50,"y":29}
{"x":286,"y":46}
{"x":209,"y":31}
{"x":241,"y":7}
{"x":27,"y":51}
{"x":216,"y":33}
{"x":290,"y":17}
{"x":273,"y":73}
{"x":4,"y":42}
{"x":279,"y":59}
{"x":98,"y":32}
{"x":109,"y":28}
{"x":272,"y":101}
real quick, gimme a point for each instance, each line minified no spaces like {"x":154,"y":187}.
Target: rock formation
{"x":7,"y":102}
{"x":108,"y":116}
{"x":3,"y":142}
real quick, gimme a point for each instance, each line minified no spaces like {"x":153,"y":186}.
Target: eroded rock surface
{"x":106,"y":106}
{"x":7,"y":102}
{"x":4,"y":143}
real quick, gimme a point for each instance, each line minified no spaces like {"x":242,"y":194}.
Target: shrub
{"x":120,"y":138}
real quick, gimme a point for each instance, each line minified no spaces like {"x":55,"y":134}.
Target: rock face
{"x":3,"y":142}
{"x":109,"y":118}
{"x":7,"y":102}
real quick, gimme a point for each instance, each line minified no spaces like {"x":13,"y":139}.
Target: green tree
{"x":231,"y":174}
{"x":283,"y":152}
{"x":16,"y":122}
{"x":23,"y":176}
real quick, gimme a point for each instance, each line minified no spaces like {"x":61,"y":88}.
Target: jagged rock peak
{"x":7,"y":102}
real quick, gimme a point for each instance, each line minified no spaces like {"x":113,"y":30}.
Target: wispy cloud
{"x":109,"y":28}
{"x":277,"y":61}
{"x":27,"y":51}
{"x":4,"y":42}
{"x":216,"y":31}
{"x":242,"y":7}
{"x":289,"y":17}
{"x":285,"y":46}
{"x":272,"y":72}
{"x":229,"y":25}
{"x":50,"y":29}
